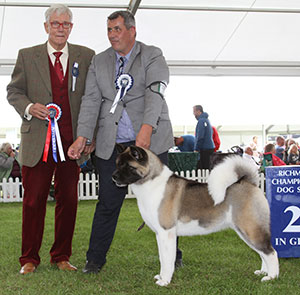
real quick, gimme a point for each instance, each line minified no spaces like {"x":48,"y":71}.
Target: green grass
{"x":216,"y":264}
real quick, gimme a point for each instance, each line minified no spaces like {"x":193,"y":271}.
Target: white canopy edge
{"x":206,"y":68}
{"x":135,"y":4}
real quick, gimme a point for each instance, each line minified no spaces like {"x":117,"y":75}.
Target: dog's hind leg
{"x":260,"y":242}
{"x":166,"y":242}
{"x":270,"y":266}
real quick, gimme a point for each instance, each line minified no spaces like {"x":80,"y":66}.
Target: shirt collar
{"x":127,"y":56}
{"x":51,"y":50}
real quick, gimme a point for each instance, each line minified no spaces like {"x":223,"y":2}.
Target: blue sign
{"x":283,"y":194}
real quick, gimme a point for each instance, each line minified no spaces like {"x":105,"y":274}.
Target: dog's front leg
{"x":166,"y":242}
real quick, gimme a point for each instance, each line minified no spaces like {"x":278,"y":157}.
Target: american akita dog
{"x":175,"y":206}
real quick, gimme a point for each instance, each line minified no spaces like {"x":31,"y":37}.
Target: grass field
{"x":216,"y":264}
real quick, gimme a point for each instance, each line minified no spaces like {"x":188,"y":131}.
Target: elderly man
{"x":124,"y":97}
{"x":46,"y":89}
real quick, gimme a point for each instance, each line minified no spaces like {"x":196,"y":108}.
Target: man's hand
{"x":39,"y":111}
{"x":77,"y":147}
{"x":143,"y":139}
{"x":89,"y":148}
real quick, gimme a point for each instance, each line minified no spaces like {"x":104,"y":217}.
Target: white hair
{"x":58,"y":9}
{"x":4,"y":147}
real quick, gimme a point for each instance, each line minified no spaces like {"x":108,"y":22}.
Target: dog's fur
{"x":174,"y":206}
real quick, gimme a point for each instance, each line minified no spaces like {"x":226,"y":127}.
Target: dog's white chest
{"x":149,"y":196}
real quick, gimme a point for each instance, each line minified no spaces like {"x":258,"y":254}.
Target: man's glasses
{"x":56,"y":25}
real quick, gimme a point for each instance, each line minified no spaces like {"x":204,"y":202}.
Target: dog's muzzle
{"x":117,"y":183}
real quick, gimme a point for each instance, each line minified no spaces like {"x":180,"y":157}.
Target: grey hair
{"x":58,"y":9}
{"x":129,"y":20}
{"x":4,"y":147}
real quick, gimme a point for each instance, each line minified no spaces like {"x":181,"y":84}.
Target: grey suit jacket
{"x":146,"y":65}
{"x":31,"y":83}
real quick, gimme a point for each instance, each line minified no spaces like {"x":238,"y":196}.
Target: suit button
{"x":116,"y":123}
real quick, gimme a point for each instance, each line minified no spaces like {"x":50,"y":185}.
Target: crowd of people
{"x":282,"y":152}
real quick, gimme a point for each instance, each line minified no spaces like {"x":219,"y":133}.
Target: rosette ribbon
{"x":124,"y":83}
{"x":75,"y":73}
{"x":53,"y":134}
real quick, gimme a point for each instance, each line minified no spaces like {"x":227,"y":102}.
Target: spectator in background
{"x":288,"y":144}
{"x":9,"y":166}
{"x":185,"y":143}
{"x":293,"y":155}
{"x":216,"y":138}
{"x":204,"y":143}
{"x":279,"y":148}
{"x":270,"y":150}
{"x":248,"y":155}
{"x":254,"y":146}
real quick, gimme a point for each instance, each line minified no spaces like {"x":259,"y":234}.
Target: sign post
{"x":283,"y":194}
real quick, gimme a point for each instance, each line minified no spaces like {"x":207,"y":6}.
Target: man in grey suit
{"x":46,"y":77}
{"x":123,"y":103}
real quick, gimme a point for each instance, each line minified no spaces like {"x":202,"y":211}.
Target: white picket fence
{"x":12,"y":190}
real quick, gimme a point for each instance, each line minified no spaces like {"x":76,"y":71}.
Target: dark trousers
{"x":204,"y":162}
{"x":108,"y":209}
{"x":36,"y":182}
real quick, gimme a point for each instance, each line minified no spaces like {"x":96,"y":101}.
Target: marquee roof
{"x":201,"y":37}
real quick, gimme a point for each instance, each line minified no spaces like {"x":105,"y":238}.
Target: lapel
{"x":42,"y":64}
{"x":136,"y":50}
{"x":111,"y":66}
{"x":74,"y":56}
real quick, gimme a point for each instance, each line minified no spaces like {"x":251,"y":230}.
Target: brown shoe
{"x":27,"y":268}
{"x":66,"y":265}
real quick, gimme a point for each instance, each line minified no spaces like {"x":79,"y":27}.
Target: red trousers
{"x":36,"y":182}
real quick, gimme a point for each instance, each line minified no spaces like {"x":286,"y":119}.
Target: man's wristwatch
{"x":88,"y":142}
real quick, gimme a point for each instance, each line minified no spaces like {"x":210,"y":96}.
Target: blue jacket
{"x":204,"y":132}
{"x":188,"y":143}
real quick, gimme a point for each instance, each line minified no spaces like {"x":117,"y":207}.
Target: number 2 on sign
{"x":296,"y":215}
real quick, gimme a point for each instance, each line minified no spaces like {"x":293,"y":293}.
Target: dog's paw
{"x":267,"y":278}
{"x":260,"y":272}
{"x":162,"y":283}
{"x":157,"y":277}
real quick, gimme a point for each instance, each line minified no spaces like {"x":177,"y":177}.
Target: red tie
{"x":58,"y":67}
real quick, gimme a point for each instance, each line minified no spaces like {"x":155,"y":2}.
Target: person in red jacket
{"x":216,"y":138}
{"x":271,"y":150}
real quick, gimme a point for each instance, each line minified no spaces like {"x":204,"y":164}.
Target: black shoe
{"x":178,"y":263}
{"x":91,"y":267}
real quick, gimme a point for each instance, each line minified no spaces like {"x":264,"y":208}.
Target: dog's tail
{"x":231,"y":170}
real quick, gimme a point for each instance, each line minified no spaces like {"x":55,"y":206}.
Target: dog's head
{"x":134,"y":165}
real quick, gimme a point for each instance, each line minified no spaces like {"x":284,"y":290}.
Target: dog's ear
{"x":137,"y":152}
{"x":120,"y":148}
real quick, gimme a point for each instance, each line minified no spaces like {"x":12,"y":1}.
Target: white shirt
{"x":250,"y":159}
{"x":64,"y":62}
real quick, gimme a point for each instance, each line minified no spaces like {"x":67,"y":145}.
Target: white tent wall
{"x":229,"y":34}
{"x":199,"y":38}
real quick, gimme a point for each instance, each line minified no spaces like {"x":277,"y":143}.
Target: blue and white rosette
{"x":53,"y":133}
{"x":75,"y":73}
{"x":124,"y":82}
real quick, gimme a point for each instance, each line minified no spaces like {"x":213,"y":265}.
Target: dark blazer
{"x":146,"y":65}
{"x":31,"y":83}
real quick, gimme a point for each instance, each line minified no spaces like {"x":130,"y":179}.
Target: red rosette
{"x":55,"y":111}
